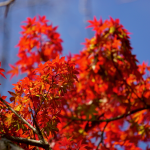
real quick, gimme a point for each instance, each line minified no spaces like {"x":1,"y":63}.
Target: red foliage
{"x":2,"y":70}
{"x":83,"y":102}
{"x":39,"y":43}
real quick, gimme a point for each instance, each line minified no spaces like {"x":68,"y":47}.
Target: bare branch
{"x":26,"y":141}
{"x":6,"y":3}
{"x":6,"y":144}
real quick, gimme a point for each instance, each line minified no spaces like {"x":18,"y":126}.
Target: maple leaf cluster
{"x":39,"y":43}
{"x":98,"y":99}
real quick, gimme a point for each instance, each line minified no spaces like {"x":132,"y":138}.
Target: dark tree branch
{"x":38,"y":130}
{"x":26,"y":141}
{"x":102,"y":136}
{"x":40,"y":136}
{"x":111,"y":119}
{"x":6,"y":3}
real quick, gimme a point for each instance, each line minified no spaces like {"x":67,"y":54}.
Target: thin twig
{"x":111,"y":119}
{"x":68,"y":123}
{"x":102,"y":136}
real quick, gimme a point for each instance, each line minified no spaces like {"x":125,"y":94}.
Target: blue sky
{"x":71,"y":16}
{"x":71,"y":19}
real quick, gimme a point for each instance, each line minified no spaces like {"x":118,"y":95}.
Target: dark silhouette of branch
{"x":93,"y":124}
{"x":26,"y":141}
{"x":102,"y":136}
{"x":111,"y":119}
{"x":6,"y":3}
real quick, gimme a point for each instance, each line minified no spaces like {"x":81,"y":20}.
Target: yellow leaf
{"x":112,"y":29}
{"x":9,"y":119}
{"x":18,"y":108}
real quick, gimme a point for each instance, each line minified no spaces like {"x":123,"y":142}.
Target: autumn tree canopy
{"x":98,"y":99}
